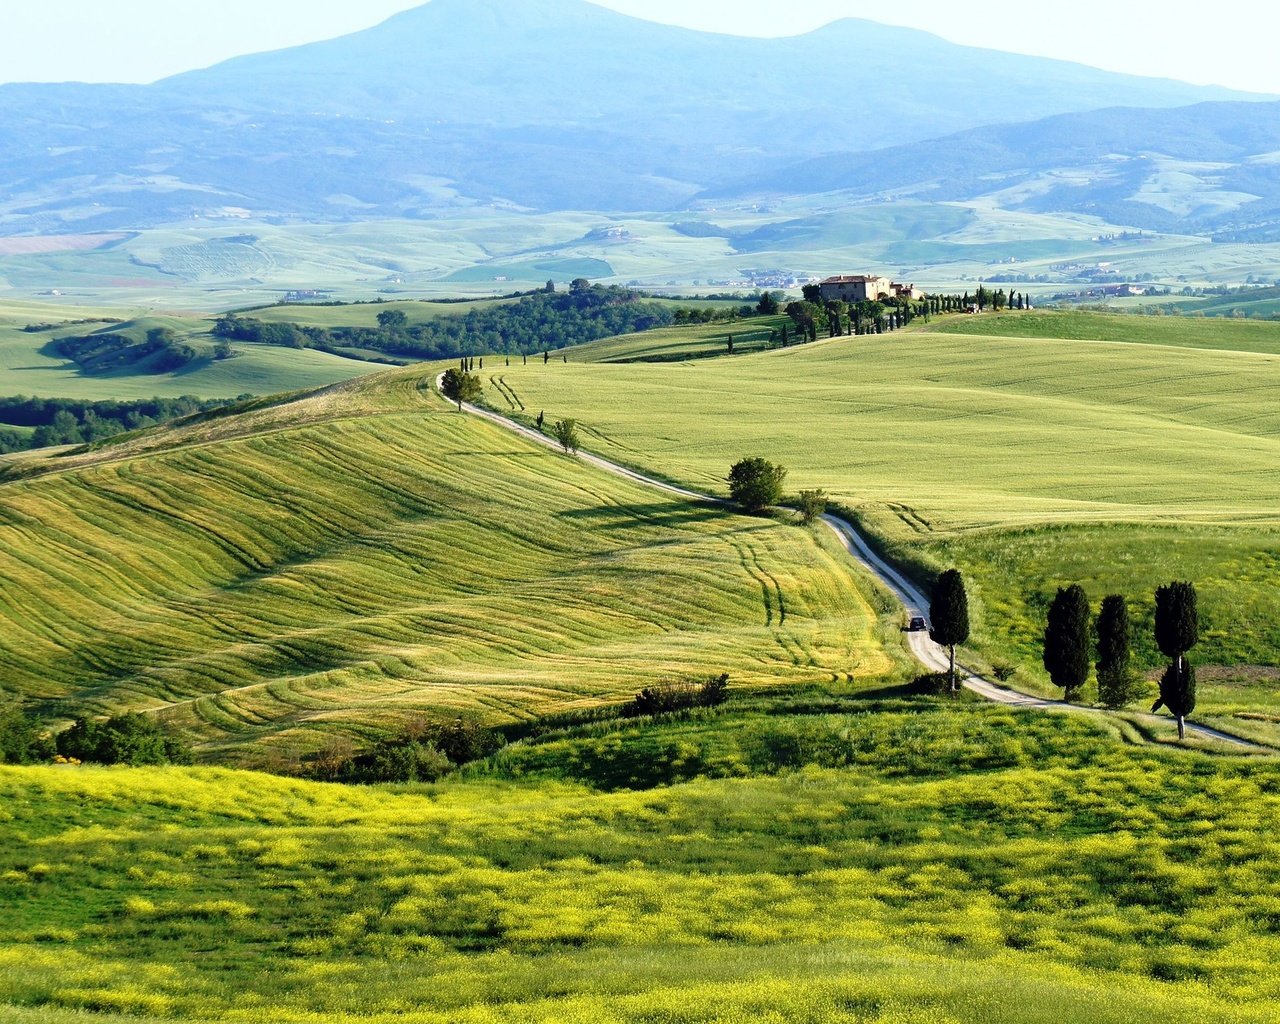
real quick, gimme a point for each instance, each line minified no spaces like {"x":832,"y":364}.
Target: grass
{"x":1177,"y":332}
{"x":667,"y":344}
{"x":811,"y":860}
{"x":1028,"y":465}
{"x":338,"y":563}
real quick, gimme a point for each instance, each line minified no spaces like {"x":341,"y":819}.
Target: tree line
{"x":537,"y":322}
{"x":59,"y":421}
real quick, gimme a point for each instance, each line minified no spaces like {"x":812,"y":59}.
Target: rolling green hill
{"x":340,"y":562}
{"x":1029,"y":464}
{"x":31,"y":363}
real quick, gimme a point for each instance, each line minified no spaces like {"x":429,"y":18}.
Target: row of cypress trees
{"x":1067,"y":647}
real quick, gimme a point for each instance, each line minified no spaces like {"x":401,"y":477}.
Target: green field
{"x":30,"y":366}
{"x":343,"y":562}
{"x":1030,"y":465}
{"x":1179,"y":332}
{"x":802,"y":859}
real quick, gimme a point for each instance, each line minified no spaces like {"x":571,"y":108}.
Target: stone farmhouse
{"x":865,"y":287}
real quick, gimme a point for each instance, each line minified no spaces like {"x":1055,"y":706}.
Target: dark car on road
{"x":917,"y":625}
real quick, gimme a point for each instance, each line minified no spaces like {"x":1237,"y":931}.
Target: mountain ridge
{"x":546,"y":106}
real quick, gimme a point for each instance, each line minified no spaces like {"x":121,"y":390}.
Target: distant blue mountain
{"x":546,"y":104}
{"x":1211,"y":168}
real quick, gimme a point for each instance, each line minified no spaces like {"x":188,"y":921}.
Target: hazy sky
{"x":1230,"y":42}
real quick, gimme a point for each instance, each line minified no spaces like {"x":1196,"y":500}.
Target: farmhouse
{"x":866,"y":287}
{"x":858,"y":288}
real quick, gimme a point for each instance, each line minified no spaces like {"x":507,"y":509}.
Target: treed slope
{"x":341,"y":561}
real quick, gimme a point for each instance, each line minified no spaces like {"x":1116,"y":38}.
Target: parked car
{"x":918,"y":625}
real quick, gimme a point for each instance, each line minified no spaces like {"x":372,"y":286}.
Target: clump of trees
{"x":541,"y":321}
{"x":425,"y":751}
{"x":22,"y":741}
{"x":756,"y":484}
{"x":460,"y":386}
{"x":678,"y":695}
{"x":130,"y":739}
{"x":59,"y":421}
{"x":161,"y":352}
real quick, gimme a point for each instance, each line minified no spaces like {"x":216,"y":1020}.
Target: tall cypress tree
{"x":1115,"y":685}
{"x":1177,"y":631}
{"x":1066,"y":640}
{"x":949,"y":615}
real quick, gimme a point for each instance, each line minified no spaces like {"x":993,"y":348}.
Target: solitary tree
{"x":393,"y":320}
{"x":949,"y":615}
{"x":755,"y":483}
{"x":812,"y":505}
{"x":566,"y":432}
{"x":460,"y":387}
{"x":1177,"y":631}
{"x":768,"y":304}
{"x":1066,"y":640}
{"x":1115,"y":683}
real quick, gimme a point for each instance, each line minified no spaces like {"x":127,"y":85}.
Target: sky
{"x":1229,"y":42}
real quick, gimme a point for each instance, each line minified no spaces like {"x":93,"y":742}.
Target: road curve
{"x":930,"y":655}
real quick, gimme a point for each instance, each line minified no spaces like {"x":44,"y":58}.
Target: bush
{"x":755,"y":484}
{"x":130,"y":739}
{"x":812,"y":505}
{"x":932,"y":684}
{"x":680,"y":695}
{"x":566,"y":432}
{"x":1003,"y":671}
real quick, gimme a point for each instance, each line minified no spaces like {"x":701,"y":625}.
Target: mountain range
{"x":563,"y":105}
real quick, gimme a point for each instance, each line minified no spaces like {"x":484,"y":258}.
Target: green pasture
{"x":29,"y":364}
{"x":1179,"y":332}
{"x":342,"y":562}
{"x":1030,"y":465}
{"x":668,"y":344}
{"x":801,"y":859}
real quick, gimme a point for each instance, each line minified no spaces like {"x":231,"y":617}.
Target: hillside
{"x":1209,"y":168}
{"x":339,"y":562}
{"x":1029,"y":455}
{"x":476,"y":102}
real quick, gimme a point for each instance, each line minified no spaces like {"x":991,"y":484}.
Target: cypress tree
{"x":949,"y":616}
{"x":1177,"y":631}
{"x":1115,"y":685}
{"x":1066,"y":640}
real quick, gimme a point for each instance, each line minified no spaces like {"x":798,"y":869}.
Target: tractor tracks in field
{"x":912,"y":599}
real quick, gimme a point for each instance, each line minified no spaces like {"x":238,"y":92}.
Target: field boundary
{"x":912,"y":599}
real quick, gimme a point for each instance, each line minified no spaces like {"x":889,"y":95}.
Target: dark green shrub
{"x":130,"y":739}
{"x":21,"y":739}
{"x":678,"y":695}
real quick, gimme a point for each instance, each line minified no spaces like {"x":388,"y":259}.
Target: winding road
{"x":931,"y":655}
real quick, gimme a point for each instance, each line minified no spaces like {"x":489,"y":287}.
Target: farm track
{"x":929,"y":654}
